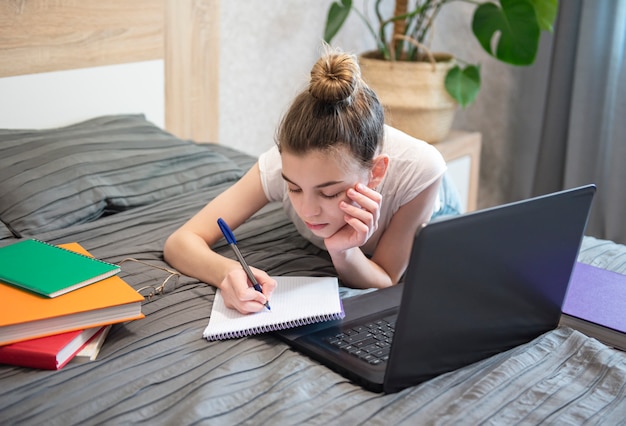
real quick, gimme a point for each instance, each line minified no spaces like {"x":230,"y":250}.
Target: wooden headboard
{"x":52,"y":35}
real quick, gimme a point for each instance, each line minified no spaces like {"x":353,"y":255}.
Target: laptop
{"x":476,"y":285}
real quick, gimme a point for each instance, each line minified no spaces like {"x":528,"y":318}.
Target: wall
{"x":267,"y":50}
{"x":60,"y":98}
{"x":492,"y":112}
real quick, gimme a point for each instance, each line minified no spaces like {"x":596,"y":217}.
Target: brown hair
{"x":337,"y":109}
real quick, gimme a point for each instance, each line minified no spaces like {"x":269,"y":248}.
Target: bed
{"x":119,"y":185}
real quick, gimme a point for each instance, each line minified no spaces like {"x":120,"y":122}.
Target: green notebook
{"x":50,"y":270}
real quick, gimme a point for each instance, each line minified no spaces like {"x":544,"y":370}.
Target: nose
{"x":310,"y":206}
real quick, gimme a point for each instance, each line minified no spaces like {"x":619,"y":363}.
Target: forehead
{"x":338,"y":153}
{"x":320,"y":165}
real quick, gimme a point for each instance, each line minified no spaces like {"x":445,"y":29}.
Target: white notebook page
{"x":296,"y":301}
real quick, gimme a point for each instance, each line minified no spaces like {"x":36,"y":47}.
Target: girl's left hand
{"x":361,"y":218}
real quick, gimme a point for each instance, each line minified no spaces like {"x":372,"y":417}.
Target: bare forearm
{"x":357,"y":271}
{"x":191,"y":255}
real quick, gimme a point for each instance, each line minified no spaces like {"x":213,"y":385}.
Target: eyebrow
{"x":321,"y":185}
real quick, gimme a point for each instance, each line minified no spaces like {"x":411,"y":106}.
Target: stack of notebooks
{"x":57,"y":303}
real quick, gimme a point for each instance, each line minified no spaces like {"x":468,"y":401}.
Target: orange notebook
{"x":25,"y":315}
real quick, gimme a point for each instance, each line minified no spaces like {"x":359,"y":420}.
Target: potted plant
{"x":421,"y":89}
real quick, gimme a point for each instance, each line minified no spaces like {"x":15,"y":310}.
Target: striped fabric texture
{"x":54,"y":178}
{"x":160,"y":370}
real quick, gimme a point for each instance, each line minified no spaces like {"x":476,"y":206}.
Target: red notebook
{"x":48,"y":353}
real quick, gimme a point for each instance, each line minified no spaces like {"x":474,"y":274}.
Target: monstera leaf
{"x":510,"y":32}
{"x":463,"y":84}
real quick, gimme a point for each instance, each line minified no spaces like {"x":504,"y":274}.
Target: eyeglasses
{"x":151,"y":291}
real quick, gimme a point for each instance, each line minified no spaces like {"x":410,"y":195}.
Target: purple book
{"x":597,"y":296}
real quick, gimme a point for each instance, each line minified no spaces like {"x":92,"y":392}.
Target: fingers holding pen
{"x":239,"y":294}
{"x":267,"y":283}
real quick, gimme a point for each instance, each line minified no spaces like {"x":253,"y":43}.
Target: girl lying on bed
{"x":352,"y":185}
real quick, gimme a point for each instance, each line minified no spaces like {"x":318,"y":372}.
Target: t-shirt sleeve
{"x":270,"y":167}
{"x":418,"y":164}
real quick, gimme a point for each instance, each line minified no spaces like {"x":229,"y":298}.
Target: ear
{"x":378,"y":171}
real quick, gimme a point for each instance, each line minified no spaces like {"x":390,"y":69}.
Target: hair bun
{"x":335,"y":77}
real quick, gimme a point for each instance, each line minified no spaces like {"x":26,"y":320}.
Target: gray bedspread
{"x":159,"y":370}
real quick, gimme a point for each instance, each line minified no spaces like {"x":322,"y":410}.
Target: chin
{"x":326,"y":232}
{"x":320,"y":233}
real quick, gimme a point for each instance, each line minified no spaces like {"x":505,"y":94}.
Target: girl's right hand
{"x":361,"y":218}
{"x":239,"y":294}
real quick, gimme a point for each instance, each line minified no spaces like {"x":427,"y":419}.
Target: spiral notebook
{"x":50,"y":270}
{"x":296,"y":301}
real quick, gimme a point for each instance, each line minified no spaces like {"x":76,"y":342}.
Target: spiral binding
{"x":73,"y":252}
{"x":275,"y":327}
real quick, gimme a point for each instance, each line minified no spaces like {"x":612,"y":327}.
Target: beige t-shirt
{"x":413,"y":166}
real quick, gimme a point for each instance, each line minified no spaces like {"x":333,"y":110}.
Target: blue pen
{"x":230,"y":239}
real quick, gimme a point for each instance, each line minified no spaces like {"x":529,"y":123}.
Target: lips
{"x":316,"y":226}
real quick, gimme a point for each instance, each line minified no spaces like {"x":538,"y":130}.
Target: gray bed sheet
{"x":159,"y":369}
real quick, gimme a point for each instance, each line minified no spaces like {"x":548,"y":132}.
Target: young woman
{"x":350,"y":184}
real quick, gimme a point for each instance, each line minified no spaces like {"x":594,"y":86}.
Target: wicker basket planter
{"x":413,"y":94}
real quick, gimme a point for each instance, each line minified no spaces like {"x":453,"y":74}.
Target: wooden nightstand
{"x":461,"y":150}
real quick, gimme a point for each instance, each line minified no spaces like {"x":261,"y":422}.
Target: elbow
{"x":169,"y":248}
{"x":395,"y":278}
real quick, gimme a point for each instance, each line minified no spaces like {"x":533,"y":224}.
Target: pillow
{"x":54,"y":178}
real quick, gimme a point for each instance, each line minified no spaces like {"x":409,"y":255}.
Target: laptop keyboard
{"x":370,"y":342}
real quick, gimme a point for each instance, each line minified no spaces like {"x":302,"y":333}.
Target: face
{"x":317,"y":183}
